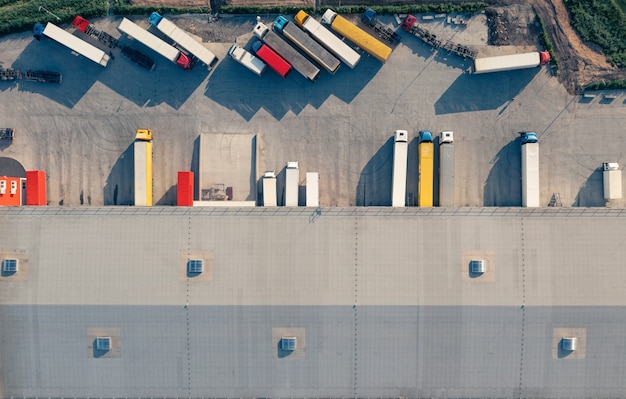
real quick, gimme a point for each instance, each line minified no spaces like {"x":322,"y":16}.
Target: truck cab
{"x":528,"y":137}
{"x":143,"y":135}
{"x":446,"y":137}
{"x":426,"y":136}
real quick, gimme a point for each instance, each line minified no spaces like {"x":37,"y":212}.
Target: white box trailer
{"x":398,"y":182}
{"x":530,"y":170}
{"x":292,"y":178}
{"x":327,"y":39}
{"x":154,"y":43}
{"x":246,"y":59}
{"x":183,"y":39}
{"x":446,"y":169}
{"x":510,"y":62}
{"x":269,"y":188}
{"x":75,"y":44}
{"x":612,"y":180}
{"x":312,"y":189}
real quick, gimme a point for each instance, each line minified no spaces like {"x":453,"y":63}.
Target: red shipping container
{"x":185,"y":189}
{"x":36,"y":188}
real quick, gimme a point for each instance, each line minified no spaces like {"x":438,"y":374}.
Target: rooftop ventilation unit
{"x":9,"y":266}
{"x":194,"y":266}
{"x":103,"y":343}
{"x":568,"y":343}
{"x":477,"y":266}
{"x":288,"y":343}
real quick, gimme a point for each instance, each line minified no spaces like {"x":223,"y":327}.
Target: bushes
{"x":601,"y":22}
{"x":404,"y":9}
{"x":21,"y":16}
{"x":607,"y":85}
{"x":547,"y":43}
{"x":125,"y":7}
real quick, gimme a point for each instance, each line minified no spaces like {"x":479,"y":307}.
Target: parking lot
{"x":81,"y":132}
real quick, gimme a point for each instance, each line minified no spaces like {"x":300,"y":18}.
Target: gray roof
{"x":380,"y":299}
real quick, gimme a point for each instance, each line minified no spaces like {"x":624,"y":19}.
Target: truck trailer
{"x":292,"y":179}
{"x":446,"y":169}
{"x":510,"y":62}
{"x":271,"y":58}
{"x":426,"y":152}
{"x":327,"y":39}
{"x":135,"y":56}
{"x":612,"y":180}
{"x":356,"y":35}
{"x":269,"y":188}
{"x":142,"y":149}
{"x":306,"y":43}
{"x":530,"y":169}
{"x":398,"y":180}
{"x":183,"y":39}
{"x":72,"y":42}
{"x":290,"y":54}
{"x":154,"y":43}
{"x":246,"y":59}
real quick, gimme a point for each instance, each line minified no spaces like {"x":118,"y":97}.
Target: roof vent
{"x":477,"y":266}
{"x":103,"y":343}
{"x":194,"y":266}
{"x":9,"y":266}
{"x":288,"y":343}
{"x":568,"y":343}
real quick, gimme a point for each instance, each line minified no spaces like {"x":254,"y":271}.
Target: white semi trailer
{"x":530,"y":170}
{"x":398,"y":182}
{"x":292,"y":179}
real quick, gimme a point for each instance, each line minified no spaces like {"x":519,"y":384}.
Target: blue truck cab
{"x":528,"y":137}
{"x":279,"y":23}
{"x":426,"y":136}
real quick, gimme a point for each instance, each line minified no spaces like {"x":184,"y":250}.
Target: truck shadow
{"x":591,"y":193}
{"x":374,"y":186}
{"x":483,"y":92}
{"x":118,"y":189}
{"x":504,"y":183}
{"x":238,"y":89}
{"x":167,"y":83}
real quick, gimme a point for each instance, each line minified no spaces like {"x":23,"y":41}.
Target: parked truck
{"x":307,"y":44}
{"x":135,"y":56}
{"x":612,"y":180}
{"x":287,"y":52}
{"x":312,"y":189}
{"x":446,"y":169}
{"x":142,"y":148}
{"x":183,"y":39}
{"x":292,"y":179}
{"x":411,"y":26}
{"x":385,"y":32}
{"x":426,"y":153}
{"x":510,"y":62}
{"x":327,"y":39}
{"x":269,"y":188}
{"x":72,"y":42}
{"x":271,"y":58}
{"x":246,"y":59}
{"x":155,"y":44}
{"x":356,"y":35}
{"x":398,"y":180}
{"x":530,"y":169}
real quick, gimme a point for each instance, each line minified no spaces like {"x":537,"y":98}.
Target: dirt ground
{"x":510,"y":24}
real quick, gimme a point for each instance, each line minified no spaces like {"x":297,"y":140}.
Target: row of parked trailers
{"x":184,"y":53}
{"x":278,"y":47}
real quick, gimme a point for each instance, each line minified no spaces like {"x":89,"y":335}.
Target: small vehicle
{"x":6,"y":133}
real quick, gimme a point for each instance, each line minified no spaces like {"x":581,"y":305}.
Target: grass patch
{"x":126,"y":7}
{"x":601,"y":22}
{"x":21,"y":15}
{"x":404,"y":9}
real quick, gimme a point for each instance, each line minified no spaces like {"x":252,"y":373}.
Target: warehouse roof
{"x":381,"y":301}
